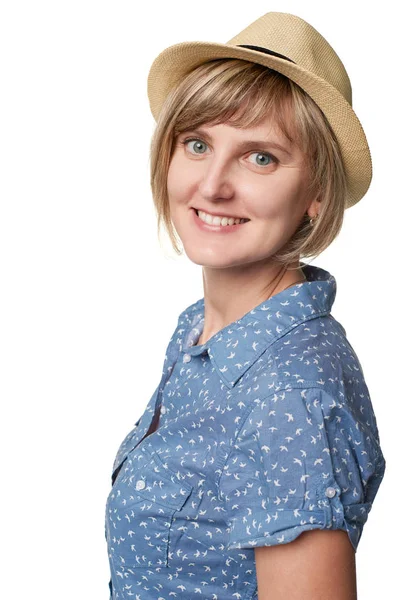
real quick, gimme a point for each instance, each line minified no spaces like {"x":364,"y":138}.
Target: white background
{"x":84,"y":278}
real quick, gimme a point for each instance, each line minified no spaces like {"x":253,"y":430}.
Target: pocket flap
{"x":158,"y":484}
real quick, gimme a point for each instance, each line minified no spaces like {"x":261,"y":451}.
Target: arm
{"x":317,"y":565}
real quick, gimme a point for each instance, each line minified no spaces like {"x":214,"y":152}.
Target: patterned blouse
{"x":265,"y":431}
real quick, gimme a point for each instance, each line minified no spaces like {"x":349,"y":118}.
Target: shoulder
{"x":314,"y":375}
{"x":314,"y":354}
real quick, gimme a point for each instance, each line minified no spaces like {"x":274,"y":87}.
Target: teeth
{"x":211,"y":220}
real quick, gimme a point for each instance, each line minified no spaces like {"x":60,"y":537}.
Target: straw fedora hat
{"x":291,"y":46}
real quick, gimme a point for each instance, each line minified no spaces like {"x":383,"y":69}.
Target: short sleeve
{"x":302,"y":460}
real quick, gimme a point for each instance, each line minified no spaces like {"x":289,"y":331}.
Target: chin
{"x":207,"y":258}
{"x":202,"y":255}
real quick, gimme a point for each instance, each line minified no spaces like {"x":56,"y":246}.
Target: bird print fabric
{"x":265,"y":431}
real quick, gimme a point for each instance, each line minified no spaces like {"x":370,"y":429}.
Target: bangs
{"x":228,"y":92}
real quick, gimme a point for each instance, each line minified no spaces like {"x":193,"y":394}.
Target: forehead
{"x":265,"y":129}
{"x":277,"y":121}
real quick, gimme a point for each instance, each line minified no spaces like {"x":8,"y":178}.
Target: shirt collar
{"x":236,"y":347}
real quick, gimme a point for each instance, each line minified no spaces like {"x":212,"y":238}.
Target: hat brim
{"x":176,"y":61}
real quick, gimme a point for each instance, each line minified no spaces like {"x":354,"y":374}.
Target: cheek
{"x":178,"y":182}
{"x":281,"y":197}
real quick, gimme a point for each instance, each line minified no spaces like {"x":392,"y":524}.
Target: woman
{"x":256,"y":462}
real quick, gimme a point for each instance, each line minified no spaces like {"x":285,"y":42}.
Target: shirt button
{"x":141,"y":484}
{"x":186,"y":358}
{"x":163,"y":410}
{"x":330,"y":492}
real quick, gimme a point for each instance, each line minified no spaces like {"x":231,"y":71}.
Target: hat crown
{"x":297,"y":40}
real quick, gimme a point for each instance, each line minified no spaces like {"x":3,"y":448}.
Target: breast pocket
{"x":141,"y":509}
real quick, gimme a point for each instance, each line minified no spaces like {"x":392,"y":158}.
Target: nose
{"x":216,"y":179}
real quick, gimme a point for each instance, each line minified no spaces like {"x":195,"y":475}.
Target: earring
{"x":313,"y":219}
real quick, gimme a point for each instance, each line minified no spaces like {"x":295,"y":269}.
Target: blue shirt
{"x":266,"y":430}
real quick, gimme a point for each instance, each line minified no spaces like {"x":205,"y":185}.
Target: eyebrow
{"x":249,"y":144}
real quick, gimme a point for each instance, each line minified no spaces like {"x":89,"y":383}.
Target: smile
{"x":219,"y":221}
{"x":218,"y":225}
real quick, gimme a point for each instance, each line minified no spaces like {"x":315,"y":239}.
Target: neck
{"x":231,"y":293}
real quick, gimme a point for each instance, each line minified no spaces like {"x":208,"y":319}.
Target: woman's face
{"x":252,"y":173}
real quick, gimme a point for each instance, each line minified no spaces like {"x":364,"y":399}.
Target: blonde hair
{"x":243,"y":93}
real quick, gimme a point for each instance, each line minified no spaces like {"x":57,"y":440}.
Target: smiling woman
{"x":257,"y":460}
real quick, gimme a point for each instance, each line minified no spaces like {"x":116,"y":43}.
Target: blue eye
{"x":197,"y":145}
{"x":267,"y":159}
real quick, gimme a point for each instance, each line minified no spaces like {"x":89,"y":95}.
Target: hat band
{"x":266,"y":51}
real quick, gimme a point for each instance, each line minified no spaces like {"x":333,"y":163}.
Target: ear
{"x":314,"y":208}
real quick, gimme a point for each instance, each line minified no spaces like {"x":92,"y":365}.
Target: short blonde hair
{"x":243,"y":93}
